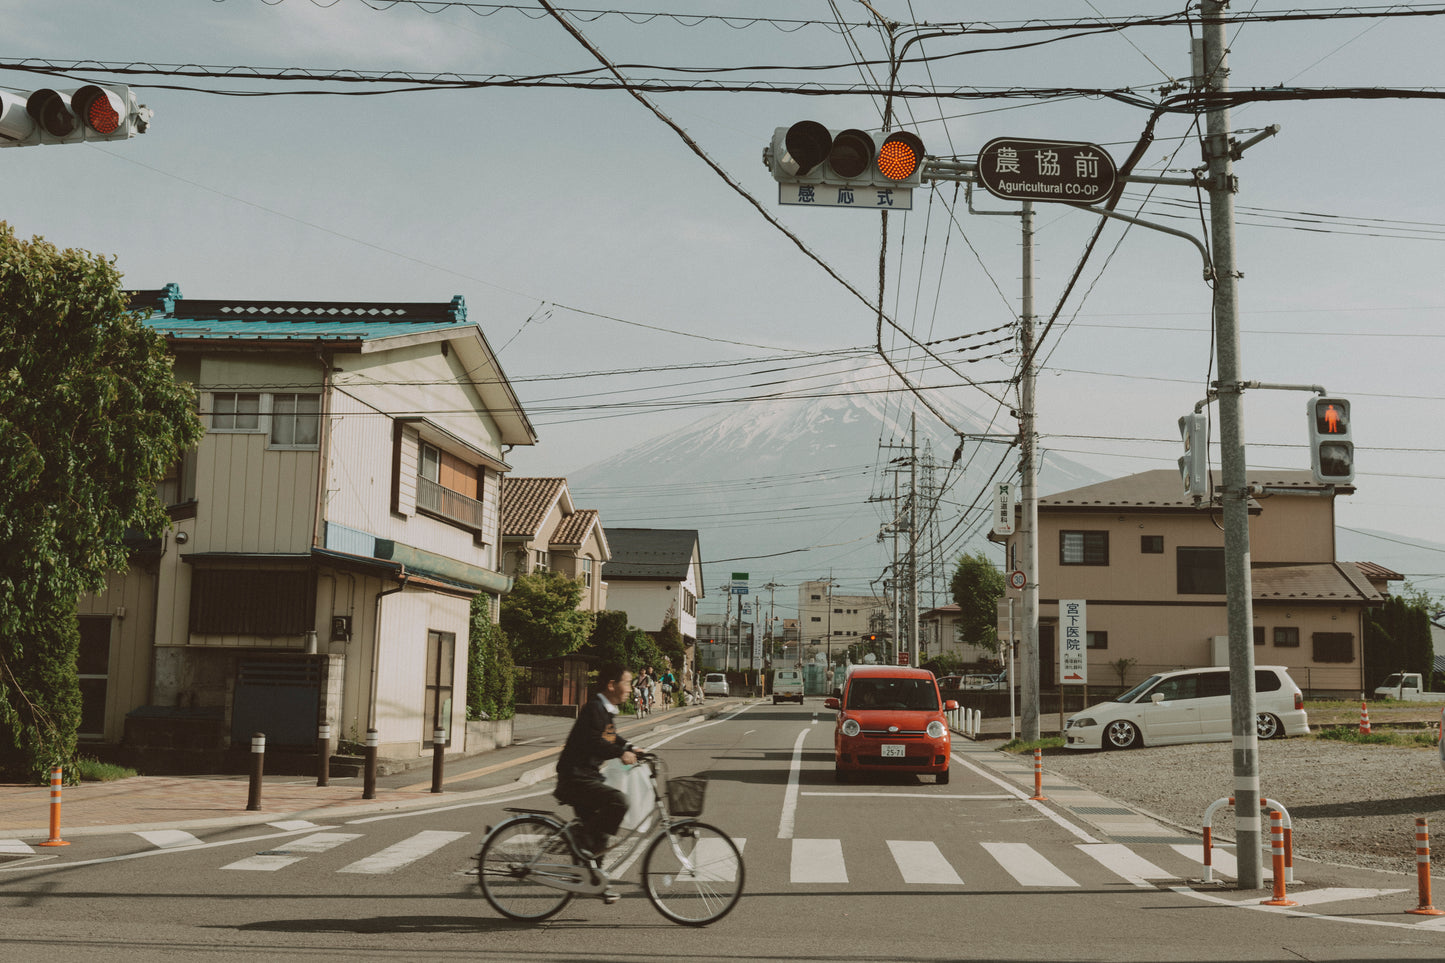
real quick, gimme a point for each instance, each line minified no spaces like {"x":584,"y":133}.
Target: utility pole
{"x":768,"y":639}
{"x":1028,"y":494}
{"x":914,"y":646}
{"x":1234,"y":473}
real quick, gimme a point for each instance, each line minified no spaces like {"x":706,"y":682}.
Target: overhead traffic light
{"x":809,"y":153}
{"x":1332,"y":453}
{"x":89,"y":113}
{"x":1194,"y":463}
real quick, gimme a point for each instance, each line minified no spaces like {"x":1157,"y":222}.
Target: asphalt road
{"x":894,"y":869}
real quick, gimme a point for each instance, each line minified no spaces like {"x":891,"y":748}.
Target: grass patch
{"x":1385,"y":737}
{"x":93,"y":770}
{"x":1029,"y":745}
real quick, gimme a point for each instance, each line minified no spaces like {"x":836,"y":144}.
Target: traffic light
{"x":1194,"y":463}
{"x":1332,"y":453}
{"x":89,"y":113}
{"x":809,"y":153}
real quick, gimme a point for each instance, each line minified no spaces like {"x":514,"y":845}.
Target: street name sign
{"x":1021,"y":169}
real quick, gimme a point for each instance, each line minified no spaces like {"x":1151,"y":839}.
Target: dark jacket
{"x":593,"y":740}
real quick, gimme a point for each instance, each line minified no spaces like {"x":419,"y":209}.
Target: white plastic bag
{"x":634,"y":783}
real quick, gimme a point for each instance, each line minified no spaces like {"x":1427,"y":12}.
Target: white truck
{"x":1408,"y":687}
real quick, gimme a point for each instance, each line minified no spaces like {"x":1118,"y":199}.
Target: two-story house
{"x":330,"y":530}
{"x":656,"y":574}
{"x":543,"y":531}
{"x":1151,"y":568}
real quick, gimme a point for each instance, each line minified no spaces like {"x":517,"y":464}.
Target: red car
{"x":891,"y":720}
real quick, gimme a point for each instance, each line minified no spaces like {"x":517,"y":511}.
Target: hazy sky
{"x":587,"y":236}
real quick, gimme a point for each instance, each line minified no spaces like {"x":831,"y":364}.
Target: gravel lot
{"x":1351,"y":804}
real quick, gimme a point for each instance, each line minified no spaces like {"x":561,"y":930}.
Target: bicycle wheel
{"x":510,"y":856}
{"x":693,"y":873}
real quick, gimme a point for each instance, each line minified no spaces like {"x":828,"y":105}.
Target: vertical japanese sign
{"x":1003,"y":509}
{"x":1073,"y":642}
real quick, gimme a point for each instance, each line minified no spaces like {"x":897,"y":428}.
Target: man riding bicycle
{"x":593,"y":740}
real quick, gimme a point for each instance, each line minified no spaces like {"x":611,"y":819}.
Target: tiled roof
{"x":1318,"y":581}
{"x":577,"y":527}
{"x":526,"y":502}
{"x":1161,"y":488}
{"x":250,"y":320}
{"x":650,"y":553}
{"x":1378,"y":572}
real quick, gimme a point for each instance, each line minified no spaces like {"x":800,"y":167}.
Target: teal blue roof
{"x":337,"y":321}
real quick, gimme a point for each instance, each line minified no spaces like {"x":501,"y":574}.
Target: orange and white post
{"x":1276,"y":852}
{"x":55,"y":784}
{"x":1038,"y":775}
{"x":1422,"y":868}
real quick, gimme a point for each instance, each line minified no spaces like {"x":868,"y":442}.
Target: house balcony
{"x":445,"y":503}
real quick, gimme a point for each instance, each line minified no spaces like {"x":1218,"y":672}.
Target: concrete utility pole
{"x":1235,"y":493}
{"x":917,"y":650}
{"x":1028,"y":536}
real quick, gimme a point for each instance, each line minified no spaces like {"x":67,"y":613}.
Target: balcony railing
{"x":433,"y":498}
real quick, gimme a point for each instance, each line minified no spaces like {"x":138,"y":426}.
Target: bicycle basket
{"x":685,"y":794}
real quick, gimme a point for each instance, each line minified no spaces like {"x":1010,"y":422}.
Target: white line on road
{"x":790,"y":798}
{"x":295,"y":851}
{"x":1127,"y":863}
{"x":16,"y":847}
{"x":399,"y":854}
{"x":1018,"y":793}
{"x":168,"y":838}
{"x":818,"y":861}
{"x":1023,"y":863}
{"x":921,"y":862}
{"x":898,"y":795}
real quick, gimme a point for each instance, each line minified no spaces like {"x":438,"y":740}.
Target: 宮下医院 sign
{"x":1073,"y":642}
{"x":1020,"y":169}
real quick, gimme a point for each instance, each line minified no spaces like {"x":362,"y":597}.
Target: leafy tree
{"x":613,"y":640}
{"x":90,"y":418}
{"x":671,"y":642}
{"x":491,"y":680}
{"x":541,"y":618}
{"x":977,"y":585}
{"x":1397,"y":638}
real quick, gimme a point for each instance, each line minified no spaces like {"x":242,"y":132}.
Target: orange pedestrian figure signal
{"x":1332,"y":450}
{"x":1333,"y":423}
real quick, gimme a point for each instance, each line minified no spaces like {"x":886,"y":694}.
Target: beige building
{"x":939,"y":634}
{"x":827,"y":619}
{"x":1151,"y":568}
{"x":543,"y":531}
{"x":330,"y":532}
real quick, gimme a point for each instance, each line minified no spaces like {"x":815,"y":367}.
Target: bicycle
{"x":530,"y":865}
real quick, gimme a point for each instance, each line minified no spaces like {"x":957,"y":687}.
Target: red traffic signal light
{"x":901,"y":156}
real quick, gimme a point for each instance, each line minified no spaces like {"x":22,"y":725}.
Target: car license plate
{"x":893,"y":751}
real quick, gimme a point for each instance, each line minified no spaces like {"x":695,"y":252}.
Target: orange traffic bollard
{"x":1276,"y":852}
{"x":1422,"y":868}
{"x":1038,"y":775}
{"x":55,"y":783}
{"x":1364,"y":719}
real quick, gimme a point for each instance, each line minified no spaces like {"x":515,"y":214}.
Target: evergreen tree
{"x":976,"y":586}
{"x":541,"y":618}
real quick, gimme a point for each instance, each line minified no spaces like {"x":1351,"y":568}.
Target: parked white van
{"x":788,"y":684}
{"x":1191,"y":705}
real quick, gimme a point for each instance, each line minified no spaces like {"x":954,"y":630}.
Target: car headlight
{"x":851,"y":727}
{"x":1079,"y":723}
{"x":936,"y":730}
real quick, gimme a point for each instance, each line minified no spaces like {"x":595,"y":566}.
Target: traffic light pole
{"x":1235,"y":494}
{"x":1028,"y":493}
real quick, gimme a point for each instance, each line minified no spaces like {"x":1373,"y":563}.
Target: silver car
{"x":715,"y":684}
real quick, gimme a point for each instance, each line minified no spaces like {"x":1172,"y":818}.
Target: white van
{"x":1191,"y":705}
{"x":788,"y":684}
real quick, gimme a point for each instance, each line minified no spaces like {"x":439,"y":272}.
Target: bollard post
{"x":1422,"y":868}
{"x":1038,"y":775}
{"x":56,"y":781}
{"x":258,"y":765}
{"x":438,"y":757}
{"x":368,"y":782}
{"x":1276,"y":853}
{"x":323,"y":754}
{"x":1364,"y":719}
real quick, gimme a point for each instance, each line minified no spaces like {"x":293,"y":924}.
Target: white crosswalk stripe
{"x":1024,"y":864}
{"x":818,"y":861}
{"x":1122,"y":860}
{"x":398,"y":855}
{"x":922,"y":862}
{"x":15,"y":847}
{"x":292,"y":852}
{"x":168,"y":838}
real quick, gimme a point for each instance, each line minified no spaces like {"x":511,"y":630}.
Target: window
{"x":296,"y":421}
{"x":587,"y":572}
{"x":1083,"y":548}
{"x":1179,"y":687}
{"x":1151,"y":544}
{"x":1199,"y":571}
{"x":447,"y":487}
{"x":1334,"y":646}
{"x":440,"y":665}
{"x":93,"y":667}
{"x":1259,"y":635}
{"x":1096,"y":640}
{"x":539,"y":560}
{"x":1286,"y":636}
{"x":816,"y":598}
{"x":178,"y":485}
{"x":228,"y":602}
{"x":816,"y":618}
{"x":235,"y":411}
{"x":1213,"y":684}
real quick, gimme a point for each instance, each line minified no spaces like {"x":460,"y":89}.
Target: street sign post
{"x":1022,"y":169}
{"x":1003,"y":509}
{"x":1073,"y":644}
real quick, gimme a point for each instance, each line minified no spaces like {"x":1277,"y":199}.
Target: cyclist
{"x":593,"y":740}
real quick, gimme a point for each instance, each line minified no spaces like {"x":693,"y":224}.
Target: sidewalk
{"x":145,"y":803}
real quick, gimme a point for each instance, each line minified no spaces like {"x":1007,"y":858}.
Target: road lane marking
{"x":921,"y":862}
{"x":818,"y":861}
{"x":1019,"y":794}
{"x":294,"y":824}
{"x":399,"y":854}
{"x":900,"y":795}
{"x":1222,"y":860}
{"x":15,"y":847}
{"x":168,"y":838}
{"x":1024,"y":864}
{"x":1122,"y":860}
{"x":295,"y":851}
{"x":790,"y":798}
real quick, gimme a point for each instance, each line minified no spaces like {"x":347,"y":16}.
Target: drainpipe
{"x":376,"y":646}
{"x":323,"y":444}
